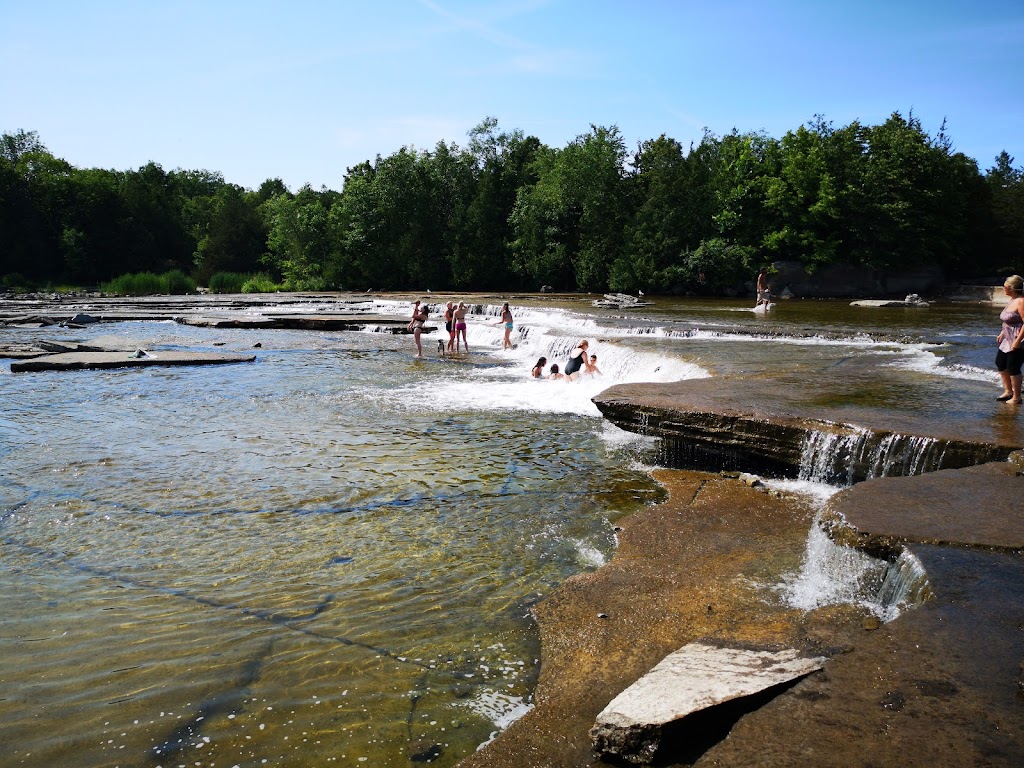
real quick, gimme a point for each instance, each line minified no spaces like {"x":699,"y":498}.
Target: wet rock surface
{"x":762,"y":423}
{"x":67,"y":361}
{"x":973,"y":507}
{"x":940,"y":685}
{"x":694,"y":568}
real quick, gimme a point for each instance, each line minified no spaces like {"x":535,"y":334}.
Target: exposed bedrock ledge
{"x":939,"y":686}
{"x":971,"y":507}
{"x":765,"y":425}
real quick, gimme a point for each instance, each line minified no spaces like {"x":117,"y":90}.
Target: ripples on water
{"x":327,"y":556}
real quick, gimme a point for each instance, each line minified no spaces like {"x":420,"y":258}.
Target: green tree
{"x":1006,"y":189}
{"x":499,"y":165}
{"x":656,"y":236}
{"x":299,"y":241}
{"x":235,"y":236}
{"x":569,"y":225}
{"x":801,"y":202}
{"x":748,"y":171}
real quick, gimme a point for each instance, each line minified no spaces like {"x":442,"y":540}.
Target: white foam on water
{"x":500,"y":708}
{"x":501,"y":380}
{"x":616,"y":438}
{"x":832,"y":574}
{"x":588,"y":554}
{"x":552,"y":332}
{"x":819,"y":493}
{"x":928,"y":362}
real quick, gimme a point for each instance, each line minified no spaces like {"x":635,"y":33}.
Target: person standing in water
{"x":506,"y":318}
{"x":449,"y":324}
{"x":577,"y":360}
{"x":764,"y":295}
{"x":420,"y":313}
{"x":1010,"y":355}
{"x":460,"y":326}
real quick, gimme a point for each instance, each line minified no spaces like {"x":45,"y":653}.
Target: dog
{"x":440,"y":347}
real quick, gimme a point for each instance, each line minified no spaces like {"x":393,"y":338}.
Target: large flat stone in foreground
{"x":81,"y":360}
{"x":695,"y":677}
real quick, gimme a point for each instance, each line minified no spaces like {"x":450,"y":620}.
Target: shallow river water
{"x":329,"y":556}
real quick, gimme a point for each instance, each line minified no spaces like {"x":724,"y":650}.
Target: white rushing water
{"x":831,"y":573}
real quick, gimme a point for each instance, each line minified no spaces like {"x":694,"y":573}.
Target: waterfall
{"x":905,"y":584}
{"x":832,"y":574}
{"x":830,"y":457}
{"x":904,"y":455}
{"x":844,"y":458}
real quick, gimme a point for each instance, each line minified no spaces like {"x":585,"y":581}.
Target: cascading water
{"x":842,"y":458}
{"x":905,"y":455}
{"x":905,"y":584}
{"x":829,"y":457}
{"x":832,"y":573}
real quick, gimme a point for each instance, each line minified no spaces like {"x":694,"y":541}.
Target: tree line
{"x":507,"y":212}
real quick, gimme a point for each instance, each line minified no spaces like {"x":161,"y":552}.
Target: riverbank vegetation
{"x":506,"y":212}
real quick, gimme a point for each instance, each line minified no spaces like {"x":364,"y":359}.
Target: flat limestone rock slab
{"x":336,"y":322}
{"x":695,"y":677}
{"x":81,"y":360}
{"x":975,"y":506}
{"x":208,"y":321}
{"x":887,"y":303}
{"x":770,"y":418}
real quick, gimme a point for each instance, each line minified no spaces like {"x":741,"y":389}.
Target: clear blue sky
{"x":303,"y":90}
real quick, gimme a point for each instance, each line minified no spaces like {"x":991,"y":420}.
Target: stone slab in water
{"x":336,"y":322}
{"x":887,"y":303}
{"x":695,"y":677}
{"x":976,"y":506}
{"x":206,"y":321}
{"x":762,"y":423}
{"x":80,"y":360}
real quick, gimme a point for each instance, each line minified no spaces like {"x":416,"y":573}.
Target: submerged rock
{"x":80,"y":360}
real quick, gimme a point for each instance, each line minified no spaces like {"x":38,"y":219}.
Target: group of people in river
{"x":455,"y":326}
{"x":581,"y":363}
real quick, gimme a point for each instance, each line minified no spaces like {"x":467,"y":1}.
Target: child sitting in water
{"x":554,"y":372}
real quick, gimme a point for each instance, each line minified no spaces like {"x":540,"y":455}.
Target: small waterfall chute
{"x":832,"y":574}
{"x":843,"y":458}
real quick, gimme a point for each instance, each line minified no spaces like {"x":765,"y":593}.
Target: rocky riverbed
{"x":942,"y":684}
{"x":939,"y":685}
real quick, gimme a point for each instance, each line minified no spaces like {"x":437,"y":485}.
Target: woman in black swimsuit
{"x":577,"y":360}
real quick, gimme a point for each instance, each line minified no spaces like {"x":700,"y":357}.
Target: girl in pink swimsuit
{"x":460,"y":326}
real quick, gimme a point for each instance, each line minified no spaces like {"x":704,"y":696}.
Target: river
{"x":329,"y":556}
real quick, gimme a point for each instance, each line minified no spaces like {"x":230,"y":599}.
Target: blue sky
{"x":303,"y":90}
